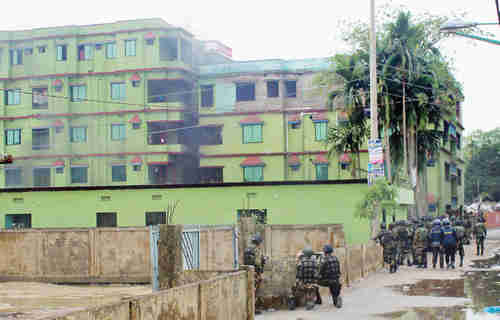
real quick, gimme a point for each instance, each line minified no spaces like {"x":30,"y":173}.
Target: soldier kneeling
{"x":329,"y":274}
{"x":305,"y":284}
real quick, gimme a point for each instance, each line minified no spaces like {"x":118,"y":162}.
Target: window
{"x":322,"y":172}
{"x":39,"y":98}
{"x":12,"y":97}
{"x":106,"y":219}
{"x":62,"y":52}
{"x":168,"y":49}
{"x":245,"y":91}
{"x":16,"y":57}
{"x":42,"y":49}
{"x":252,"y":133}
{"x":111,"y":51}
{"x":41,"y":177}
{"x":79,"y":174}
{"x":459,"y":177}
{"x":130,"y":48}
{"x":17,"y":221}
{"x":253,"y":174}
{"x":13,"y":177}
{"x":78,"y":93}
{"x":186,"y":52}
{"x":28,"y":51}
{"x":119,"y":173}
{"x":85,"y":52}
{"x":154,"y":218}
{"x":12,"y":137}
{"x":447,"y":171}
{"x":59,"y":170}
{"x":291,"y":88}
{"x":207,"y":96}
{"x":118,"y":91}
{"x":273,"y":89}
{"x":321,"y":129}
{"x":117,"y":132}
{"x":445,"y":132}
{"x":211,"y":175}
{"x":78,"y":134}
{"x":40,"y":139}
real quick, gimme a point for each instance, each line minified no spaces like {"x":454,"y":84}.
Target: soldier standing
{"x":388,"y":241}
{"x":435,"y":243}
{"x":449,"y":239}
{"x":480,"y":234}
{"x":460,"y":231}
{"x":307,"y":275}
{"x":329,"y":274}
{"x":468,"y":227}
{"x":253,"y":257}
{"x":420,"y":245}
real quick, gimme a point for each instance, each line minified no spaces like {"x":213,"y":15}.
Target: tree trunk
{"x":412,"y":165}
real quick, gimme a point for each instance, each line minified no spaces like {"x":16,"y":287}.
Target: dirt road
{"x":381,"y":295}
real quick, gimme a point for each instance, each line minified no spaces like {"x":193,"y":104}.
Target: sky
{"x":261,"y":29}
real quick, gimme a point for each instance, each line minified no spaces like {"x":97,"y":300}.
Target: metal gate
{"x":154,"y":238}
{"x":191,"y":247}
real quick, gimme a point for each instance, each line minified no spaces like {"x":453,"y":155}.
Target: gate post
{"x":154,"y":238}
{"x":170,"y":264}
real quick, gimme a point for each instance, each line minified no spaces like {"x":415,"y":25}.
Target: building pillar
{"x":170,"y":264}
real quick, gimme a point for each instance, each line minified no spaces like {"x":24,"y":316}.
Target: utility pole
{"x":373,"y":73}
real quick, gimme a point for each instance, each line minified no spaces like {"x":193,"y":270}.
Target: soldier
{"x":307,"y":275}
{"x":404,"y":242}
{"x":480,"y":234}
{"x":388,"y":241}
{"x":449,"y":241}
{"x":253,"y":257}
{"x":329,"y":274}
{"x":420,"y":244}
{"x":413,"y":229}
{"x":460,"y":231}
{"x":435,"y":244}
{"x":468,"y":227}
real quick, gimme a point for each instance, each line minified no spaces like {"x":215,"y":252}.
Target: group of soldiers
{"x":410,"y":241}
{"x":313,"y":269}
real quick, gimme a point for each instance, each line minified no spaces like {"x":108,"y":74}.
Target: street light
{"x":453,"y":26}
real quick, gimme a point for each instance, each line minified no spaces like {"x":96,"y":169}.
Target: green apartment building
{"x":142,"y":102}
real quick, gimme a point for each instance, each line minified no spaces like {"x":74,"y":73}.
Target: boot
{"x":461,"y":262}
{"x":434,"y":266}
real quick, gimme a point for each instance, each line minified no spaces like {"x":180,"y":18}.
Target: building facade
{"x":142,"y":102}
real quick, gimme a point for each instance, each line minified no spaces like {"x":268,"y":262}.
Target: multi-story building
{"x":143,"y":102}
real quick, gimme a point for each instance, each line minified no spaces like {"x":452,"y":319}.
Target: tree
{"x":416,"y":90}
{"x":482,"y":175}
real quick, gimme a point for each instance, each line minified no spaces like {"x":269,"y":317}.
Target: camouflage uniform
{"x":468,"y":228}
{"x":253,"y":256}
{"x":420,"y":243}
{"x":480,"y":234}
{"x":388,"y":241}
{"x":460,"y":232}
{"x":307,"y":277}
{"x":329,"y":275}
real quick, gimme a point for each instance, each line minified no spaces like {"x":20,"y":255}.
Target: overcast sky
{"x":261,"y":29}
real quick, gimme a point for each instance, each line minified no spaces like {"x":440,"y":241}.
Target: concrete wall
{"x":225,"y":297}
{"x":76,"y":255}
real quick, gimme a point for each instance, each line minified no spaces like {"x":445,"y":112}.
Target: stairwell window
{"x":78,"y":134}
{"x":13,"y":97}
{"x":321,"y":129}
{"x":252,"y":133}
{"x":291,"y":88}
{"x":79,"y":174}
{"x":207,"y":96}
{"x":85,"y":52}
{"x":62,"y":52}
{"x":322,"y":171}
{"x":111,"y":51}
{"x":16,"y":57}
{"x":245,"y":91}
{"x":273,"y":89}
{"x":12,"y":137}
{"x":253,"y":174}
{"x":78,"y":93}
{"x":447,"y":171}
{"x":118,"y":132}
{"x":118,"y":91}
{"x":130,"y":48}
{"x":119,"y":173}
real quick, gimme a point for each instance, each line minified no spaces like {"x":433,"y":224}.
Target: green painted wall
{"x":291,"y":204}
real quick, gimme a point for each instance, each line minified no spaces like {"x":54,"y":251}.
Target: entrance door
{"x":13,"y":221}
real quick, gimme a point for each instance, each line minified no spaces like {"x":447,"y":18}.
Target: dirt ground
{"x":372,"y":297}
{"x":29,"y":300}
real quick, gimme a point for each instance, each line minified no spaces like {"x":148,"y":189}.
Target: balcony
{"x":41,"y":139}
{"x":174,"y":93}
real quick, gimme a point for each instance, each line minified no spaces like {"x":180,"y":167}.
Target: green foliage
{"x":482,"y":175}
{"x":380,"y":195}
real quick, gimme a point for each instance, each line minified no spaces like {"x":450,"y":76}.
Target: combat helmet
{"x":382,"y":226}
{"x":307,"y":252}
{"x":446,"y":222}
{"x":256,"y":239}
{"x":436,"y":222}
{"x":327,"y":249}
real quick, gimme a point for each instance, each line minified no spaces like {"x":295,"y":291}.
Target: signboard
{"x":375,"y":160}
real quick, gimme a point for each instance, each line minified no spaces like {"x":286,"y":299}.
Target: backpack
{"x":403,"y":233}
{"x":249,"y":257}
{"x":386,"y":238}
{"x":460,"y":231}
{"x":421,"y":235}
{"x":449,"y":238}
